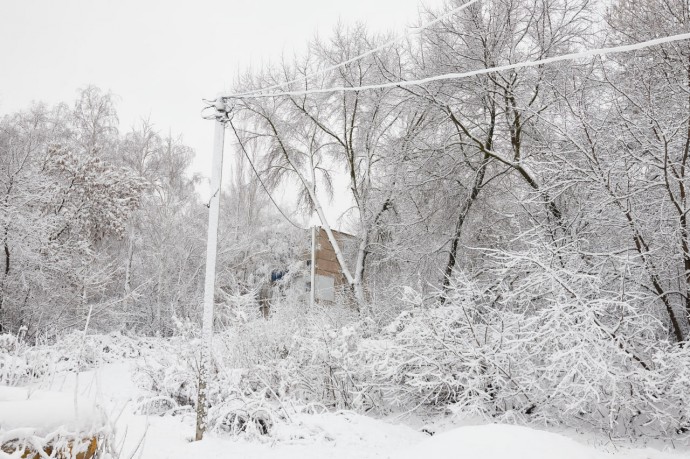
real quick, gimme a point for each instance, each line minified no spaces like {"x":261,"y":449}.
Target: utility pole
{"x":221,"y":116}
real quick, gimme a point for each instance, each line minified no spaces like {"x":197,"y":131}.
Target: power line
{"x":251,"y":163}
{"x":456,"y":76}
{"x":361,"y":56}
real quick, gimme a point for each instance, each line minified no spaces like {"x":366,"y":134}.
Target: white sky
{"x":162,"y":57}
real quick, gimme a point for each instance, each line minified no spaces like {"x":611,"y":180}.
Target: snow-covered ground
{"x":326,"y":435}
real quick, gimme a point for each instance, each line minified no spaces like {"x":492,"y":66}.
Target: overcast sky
{"x":162,"y":57}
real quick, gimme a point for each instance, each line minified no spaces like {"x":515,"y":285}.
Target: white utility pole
{"x":210,"y":283}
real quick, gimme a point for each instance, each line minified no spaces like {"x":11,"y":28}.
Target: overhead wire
{"x":261,"y":93}
{"x":412,"y":30}
{"x":455,"y":76}
{"x":258,"y":176}
{"x":249,"y":94}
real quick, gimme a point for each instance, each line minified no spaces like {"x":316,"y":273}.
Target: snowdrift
{"x":50,"y":422}
{"x":495,"y":441}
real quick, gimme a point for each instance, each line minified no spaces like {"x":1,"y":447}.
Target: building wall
{"x":328,"y":271}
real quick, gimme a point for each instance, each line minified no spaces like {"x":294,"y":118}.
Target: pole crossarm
{"x":222,"y":109}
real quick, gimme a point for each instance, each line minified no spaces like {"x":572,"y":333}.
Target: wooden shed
{"x":329,"y":277}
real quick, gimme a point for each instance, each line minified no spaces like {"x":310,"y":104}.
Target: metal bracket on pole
{"x":221,"y":107}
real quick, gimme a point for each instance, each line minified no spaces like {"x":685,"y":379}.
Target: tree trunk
{"x":358,"y":282}
{"x":7,"y":258}
{"x":4,"y":281}
{"x":471,"y":197}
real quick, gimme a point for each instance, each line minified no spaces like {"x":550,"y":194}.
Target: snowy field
{"x":334,"y":435}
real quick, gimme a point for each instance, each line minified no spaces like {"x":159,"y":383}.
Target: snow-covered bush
{"x":170,"y":376}
{"x":529,"y":341}
{"x":309,"y":356}
{"x":21,"y":362}
{"x":324,"y":368}
{"x":260,"y":364}
{"x":240,"y":402}
{"x":552,"y":347}
{"x":296,"y":352}
{"x":13,"y":367}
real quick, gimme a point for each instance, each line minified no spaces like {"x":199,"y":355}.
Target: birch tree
{"x":345,"y":131}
